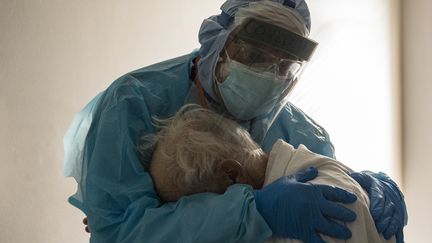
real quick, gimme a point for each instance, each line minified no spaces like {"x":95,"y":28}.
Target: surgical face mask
{"x":247,"y":93}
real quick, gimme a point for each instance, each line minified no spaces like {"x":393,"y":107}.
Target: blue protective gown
{"x":115,"y":190}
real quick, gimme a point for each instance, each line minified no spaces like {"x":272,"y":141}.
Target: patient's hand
{"x":85,"y":222}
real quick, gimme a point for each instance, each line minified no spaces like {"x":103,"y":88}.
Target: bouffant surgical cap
{"x":215,"y":30}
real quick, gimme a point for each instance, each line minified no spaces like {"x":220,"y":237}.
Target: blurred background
{"x":369,"y":85}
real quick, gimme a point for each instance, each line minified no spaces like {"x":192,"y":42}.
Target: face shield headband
{"x":283,"y":40}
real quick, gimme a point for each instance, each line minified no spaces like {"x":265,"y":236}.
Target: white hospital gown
{"x":284,"y":159}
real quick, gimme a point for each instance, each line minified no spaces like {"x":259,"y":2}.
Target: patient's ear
{"x":232,"y":170}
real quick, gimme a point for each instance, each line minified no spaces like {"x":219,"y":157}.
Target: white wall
{"x":54,"y":57}
{"x":352,"y":84}
{"x":417,"y":96}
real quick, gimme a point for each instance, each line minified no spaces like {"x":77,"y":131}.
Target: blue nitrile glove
{"x":387,"y":204}
{"x":298,"y":210}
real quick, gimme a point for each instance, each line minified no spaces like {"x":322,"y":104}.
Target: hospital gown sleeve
{"x":120,"y":200}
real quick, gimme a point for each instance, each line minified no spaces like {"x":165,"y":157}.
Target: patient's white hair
{"x":189,"y":148}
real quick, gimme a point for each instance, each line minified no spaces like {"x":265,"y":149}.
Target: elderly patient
{"x":198,"y":150}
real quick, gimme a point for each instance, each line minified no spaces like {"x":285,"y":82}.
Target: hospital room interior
{"x":369,"y":84}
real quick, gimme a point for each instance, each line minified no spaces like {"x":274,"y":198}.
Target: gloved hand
{"x":298,"y":210}
{"x":387,"y":204}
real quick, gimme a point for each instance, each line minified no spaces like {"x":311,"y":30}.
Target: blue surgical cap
{"x":214,"y":32}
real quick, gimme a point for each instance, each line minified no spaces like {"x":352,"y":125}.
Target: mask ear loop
{"x":228,"y":58}
{"x":223,"y":63}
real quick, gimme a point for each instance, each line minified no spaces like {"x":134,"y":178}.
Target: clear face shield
{"x":258,"y":59}
{"x":259,"y":66}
